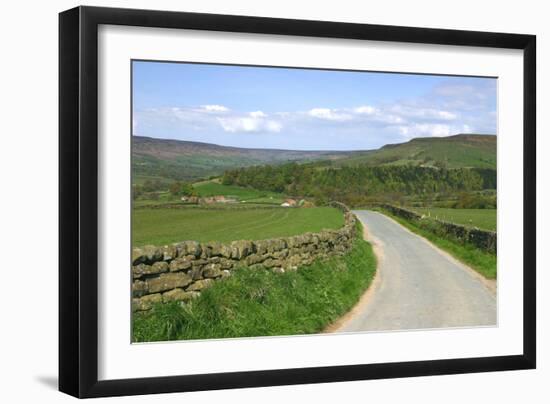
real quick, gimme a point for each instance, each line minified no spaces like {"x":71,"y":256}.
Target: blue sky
{"x":304,"y":109}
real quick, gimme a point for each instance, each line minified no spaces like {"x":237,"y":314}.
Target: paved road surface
{"x":418,"y":286}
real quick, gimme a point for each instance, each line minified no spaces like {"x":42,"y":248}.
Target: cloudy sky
{"x":305,"y":109}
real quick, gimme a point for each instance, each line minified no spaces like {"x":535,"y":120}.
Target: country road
{"x":417,"y":286}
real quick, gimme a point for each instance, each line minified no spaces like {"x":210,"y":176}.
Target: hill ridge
{"x":215,"y":145}
{"x":173,"y":159}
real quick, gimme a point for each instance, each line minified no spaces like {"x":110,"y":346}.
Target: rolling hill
{"x":458,"y":151}
{"x":169,"y":160}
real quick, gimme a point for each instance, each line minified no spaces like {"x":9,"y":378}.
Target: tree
{"x":175,"y":188}
{"x":187,"y":190}
{"x":441,"y":164}
{"x":359,"y":184}
{"x":182,"y":189}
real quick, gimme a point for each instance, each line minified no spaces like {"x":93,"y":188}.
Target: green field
{"x":262,"y":303}
{"x":485,"y":219}
{"x":244,"y":195}
{"x":163,"y":226}
{"x":162,"y":198}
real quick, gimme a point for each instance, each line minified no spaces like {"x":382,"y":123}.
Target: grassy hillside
{"x":169,"y":160}
{"x":188,"y":161}
{"x":163,"y":226}
{"x":457,"y":151}
{"x":185,"y":167}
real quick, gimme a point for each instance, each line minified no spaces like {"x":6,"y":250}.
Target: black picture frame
{"x":78,"y":200}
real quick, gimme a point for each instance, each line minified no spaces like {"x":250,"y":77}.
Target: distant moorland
{"x":168,"y":160}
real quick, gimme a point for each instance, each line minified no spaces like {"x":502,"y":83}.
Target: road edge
{"x":489,"y":284}
{"x":368,"y":294}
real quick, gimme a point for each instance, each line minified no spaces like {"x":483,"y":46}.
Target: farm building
{"x":217,"y":199}
{"x":190,"y":199}
{"x":289,"y":203}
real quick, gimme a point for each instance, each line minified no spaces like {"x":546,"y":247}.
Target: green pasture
{"x":485,"y":219}
{"x":162,"y":225}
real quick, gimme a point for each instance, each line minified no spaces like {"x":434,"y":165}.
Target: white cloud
{"x":395,"y":114}
{"x":401,"y":119}
{"x":366,"y":110}
{"x":398,"y":119}
{"x":386,"y":118}
{"x":412,"y":111}
{"x":434,"y":130}
{"x":329,"y":114}
{"x":446,"y":110}
{"x":446,"y":115}
{"x":404,"y":130}
{"x":455,"y":90}
{"x":238,"y":124}
{"x":426,"y":130}
{"x":273,"y":126}
{"x":251,"y":123}
{"x":214,"y":108}
{"x":210,"y":117}
{"x":257,"y":114}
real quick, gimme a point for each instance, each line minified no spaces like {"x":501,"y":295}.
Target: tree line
{"x":360,"y":184}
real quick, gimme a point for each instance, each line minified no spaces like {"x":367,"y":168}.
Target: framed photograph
{"x":251,"y":201}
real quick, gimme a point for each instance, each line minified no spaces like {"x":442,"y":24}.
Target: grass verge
{"x":483,"y":262}
{"x":262,"y":303}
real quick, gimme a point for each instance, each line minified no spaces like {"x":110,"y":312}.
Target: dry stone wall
{"x":482,"y":239}
{"x":178,"y":272}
